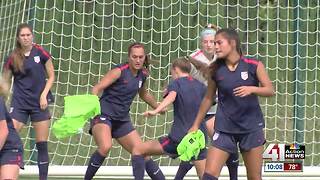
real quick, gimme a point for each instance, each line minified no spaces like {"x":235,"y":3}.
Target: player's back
{"x":190,"y":93}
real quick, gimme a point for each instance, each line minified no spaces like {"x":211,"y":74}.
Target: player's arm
{"x":147,"y":97}
{"x":3,"y":132}
{"x":50,"y":73}
{"x":205,"y":105}
{"x":106,"y":81}
{"x":169,"y":99}
{"x":265,"y":89}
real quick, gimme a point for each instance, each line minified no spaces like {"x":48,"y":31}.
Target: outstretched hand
{"x":150,"y":113}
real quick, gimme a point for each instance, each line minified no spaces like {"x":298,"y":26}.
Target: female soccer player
{"x":200,"y":60}
{"x":11,"y":148}
{"x":120,"y":85}
{"x":239,"y":119}
{"x":186,"y":94}
{"x":29,"y":64}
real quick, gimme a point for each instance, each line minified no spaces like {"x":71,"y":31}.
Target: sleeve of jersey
{"x":45,"y":55}
{"x":8,"y":63}
{"x":2,"y":110}
{"x":145,"y":74}
{"x":173,"y":86}
{"x":253,"y":67}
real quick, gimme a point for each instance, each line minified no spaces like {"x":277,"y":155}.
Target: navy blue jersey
{"x":190,"y":93}
{"x":29,"y":84}
{"x":237,"y":115}
{"x":117,"y":98}
{"x":13,"y":139}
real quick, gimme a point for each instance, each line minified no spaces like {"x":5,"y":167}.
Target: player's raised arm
{"x":106,"y":81}
{"x":169,"y":99}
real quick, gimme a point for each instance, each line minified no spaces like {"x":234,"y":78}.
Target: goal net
{"x":87,"y":37}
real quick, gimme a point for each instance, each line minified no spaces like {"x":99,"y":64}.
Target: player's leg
{"x":183,"y":169}
{"x":216,"y":158}
{"x":11,"y":161}
{"x":41,"y":121}
{"x":42,"y":132}
{"x":130,"y":142}
{"x":19,"y":117}
{"x":233,"y":164}
{"x":253,"y":162}
{"x":222,"y":145}
{"x":101,"y":131}
{"x":200,"y":162}
{"x":251,"y":146}
{"x":9,"y":172}
{"x":129,"y":138}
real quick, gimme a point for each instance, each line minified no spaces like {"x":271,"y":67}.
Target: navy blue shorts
{"x":118,"y":128}
{"x":170,"y":148}
{"x":22,"y":115}
{"x":12,"y":156}
{"x":228,"y":142}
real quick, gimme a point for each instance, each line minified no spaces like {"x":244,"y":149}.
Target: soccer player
{"x":239,"y":119}
{"x":200,"y":60}
{"x":11,"y":148}
{"x":29,"y":64}
{"x":186,"y":94}
{"x":120,"y":85}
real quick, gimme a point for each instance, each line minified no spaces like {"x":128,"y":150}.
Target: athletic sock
{"x":153,"y":170}
{"x":232,"y":164}
{"x":138,"y":167}
{"x":184,"y":167}
{"x":95,"y":162}
{"x":207,"y":176}
{"x":43,"y":159}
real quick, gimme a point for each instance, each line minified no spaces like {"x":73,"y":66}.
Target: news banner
{"x":284,"y":158}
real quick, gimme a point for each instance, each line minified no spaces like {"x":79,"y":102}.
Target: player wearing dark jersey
{"x":185,"y":93}
{"x":120,"y":85}
{"x":200,"y":60}
{"x":29,"y":64}
{"x":239,"y":120}
{"x":11,"y":148}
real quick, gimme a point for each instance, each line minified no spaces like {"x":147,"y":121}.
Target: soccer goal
{"x":87,"y":37}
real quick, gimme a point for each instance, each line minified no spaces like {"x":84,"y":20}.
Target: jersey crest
{"x":244,"y":75}
{"x":36,"y":59}
{"x":140,"y":84}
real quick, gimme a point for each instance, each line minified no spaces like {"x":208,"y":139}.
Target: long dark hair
{"x":140,"y":45}
{"x":17,"y":54}
{"x":231,"y":35}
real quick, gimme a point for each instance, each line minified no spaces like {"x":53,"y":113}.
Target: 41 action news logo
{"x":281,"y":152}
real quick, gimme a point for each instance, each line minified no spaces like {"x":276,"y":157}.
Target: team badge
{"x":140,"y":84}
{"x":36,"y":59}
{"x":11,"y":110}
{"x":215,"y":136}
{"x":244,"y":75}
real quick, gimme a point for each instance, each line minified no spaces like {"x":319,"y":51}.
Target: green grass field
{"x":87,"y":37}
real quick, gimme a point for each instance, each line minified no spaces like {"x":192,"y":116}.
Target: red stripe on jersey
{"x":44,"y":52}
{"x":9,"y":62}
{"x":123,"y":67}
{"x":196,"y":54}
{"x":190,"y":78}
{"x":165,"y":142}
{"x":251,"y":61}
